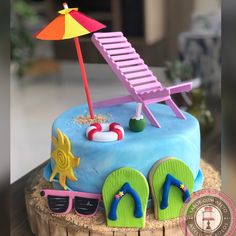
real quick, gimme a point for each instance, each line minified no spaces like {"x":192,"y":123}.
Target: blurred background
{"x":180,"y":40}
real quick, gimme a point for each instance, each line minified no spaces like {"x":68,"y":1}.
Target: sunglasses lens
{"x":58,"y":204}
{"x":85,"y":206}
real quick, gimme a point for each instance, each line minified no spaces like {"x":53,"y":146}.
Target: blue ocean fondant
{"x":178,"y":138}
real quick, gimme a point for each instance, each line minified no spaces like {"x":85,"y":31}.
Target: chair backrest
{"x":125,"y":62}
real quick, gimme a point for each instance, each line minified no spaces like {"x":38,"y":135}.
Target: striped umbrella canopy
{"x":71,"y":23}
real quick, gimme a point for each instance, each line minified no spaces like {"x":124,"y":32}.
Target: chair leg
{"x":113,"y":101}
{"x":175,"y":109}
{"x":150,"y":116}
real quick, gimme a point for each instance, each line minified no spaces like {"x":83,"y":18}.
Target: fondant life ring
{"x":106,"y":132}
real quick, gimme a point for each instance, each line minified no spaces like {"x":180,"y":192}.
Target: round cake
{"x":177,"y":138}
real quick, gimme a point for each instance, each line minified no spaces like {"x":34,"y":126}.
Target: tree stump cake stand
{"x":44,"y":223}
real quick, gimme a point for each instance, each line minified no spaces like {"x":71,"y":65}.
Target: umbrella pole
{"x":84,"y":76}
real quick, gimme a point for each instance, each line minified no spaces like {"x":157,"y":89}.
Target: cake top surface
{"x":69,"y":123}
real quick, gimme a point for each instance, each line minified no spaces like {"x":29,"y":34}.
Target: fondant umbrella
{"x":71,"y":24}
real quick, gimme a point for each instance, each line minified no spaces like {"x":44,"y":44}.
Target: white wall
{"x":154,"y":20}
{"x":206,"y":5}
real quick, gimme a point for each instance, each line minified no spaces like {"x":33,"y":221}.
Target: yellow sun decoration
{"x":64,"y":159}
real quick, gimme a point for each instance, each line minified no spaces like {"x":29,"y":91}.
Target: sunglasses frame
{"x":71,"y":194}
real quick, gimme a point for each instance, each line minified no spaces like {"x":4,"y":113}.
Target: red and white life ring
{"x":106,"y":132}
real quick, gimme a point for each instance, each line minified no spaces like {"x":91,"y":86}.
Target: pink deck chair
{"x":135,"y":76}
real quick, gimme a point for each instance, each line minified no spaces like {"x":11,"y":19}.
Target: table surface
{"x":210,"y":146}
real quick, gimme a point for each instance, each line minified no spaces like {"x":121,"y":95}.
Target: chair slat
{"x":142,"y":80}
{"x":108,"y":34}
{"x":117,"y":45}
{"x":113,"y":40}
{"x":130,"y":62}
{"x":138,"y":74}
{"x":125,"y":57}
{"x":120,"y":51}
{"x":134,"y":68}
{"x":145,"y":87}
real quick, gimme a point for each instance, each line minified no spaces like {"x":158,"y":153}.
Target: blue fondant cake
{"x":177,"y":138}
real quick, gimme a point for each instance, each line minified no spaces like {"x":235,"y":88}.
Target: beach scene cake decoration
{"x":71,"y":24}
{"x":125,"y":196}
{"x":171,"y":182}
{"x":64,"y":159}
{"x":62,"y":202}
{"x":135,"y":76}
{"x":137,"y":123}
{"x":106,"y":132}
{"x":114,"y":177}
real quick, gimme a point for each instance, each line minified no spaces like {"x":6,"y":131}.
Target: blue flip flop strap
{"x":171,"y":180}
{"x":126,"y":188}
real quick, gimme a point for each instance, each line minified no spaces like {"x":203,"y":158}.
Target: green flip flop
{"x":171,"y":183}
{"x":125,"y":195}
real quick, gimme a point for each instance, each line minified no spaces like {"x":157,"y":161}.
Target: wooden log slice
{"x":45,"y":223}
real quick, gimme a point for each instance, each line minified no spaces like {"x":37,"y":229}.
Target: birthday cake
{"x":123,"y":155}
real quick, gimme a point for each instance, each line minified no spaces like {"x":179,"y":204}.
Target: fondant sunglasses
{"x":62,"y":202}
